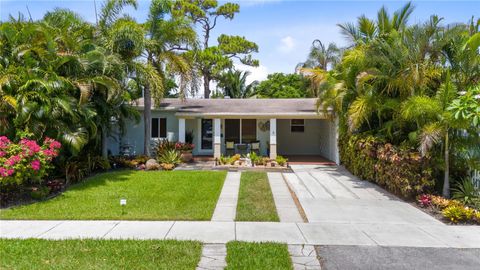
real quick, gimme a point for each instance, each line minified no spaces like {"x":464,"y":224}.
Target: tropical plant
{"x":164,"y":146}
{"x":234,"y":84}
{"x":367,"y":30}
{"x":321,"y":56}
{"x":466,"y":192}
{"x":170,"y":157}
{"x":281,"y":160}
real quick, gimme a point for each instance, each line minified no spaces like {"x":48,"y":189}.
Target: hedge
{"x":403,"y":172}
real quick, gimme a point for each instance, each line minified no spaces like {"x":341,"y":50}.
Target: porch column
{"x":181,"y":130}
{"x":273,"y":138}
{"x":217,"y":152}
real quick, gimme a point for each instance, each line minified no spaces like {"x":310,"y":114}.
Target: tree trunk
{"x":147,"y":115}
{"x":104,"y":143}
{"x":446,"y":180}
{"x":206,"y":86}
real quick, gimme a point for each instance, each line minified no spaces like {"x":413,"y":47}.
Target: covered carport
{"x":311,"y":141}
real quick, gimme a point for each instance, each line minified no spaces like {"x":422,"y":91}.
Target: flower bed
{"x":251,"y":160}
{"x":452,"y":211}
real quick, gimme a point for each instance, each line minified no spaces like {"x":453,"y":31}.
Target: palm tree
{"x":367,"y":30}
{"x":163,"y":39}
{"x":321,"y":56}
{"x":434,"y":122}
{"x":234,"y":84}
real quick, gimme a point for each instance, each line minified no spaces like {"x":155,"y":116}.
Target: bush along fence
{"x":403,"y":172}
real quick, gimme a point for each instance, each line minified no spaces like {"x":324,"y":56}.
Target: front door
{"x":206,"y":138}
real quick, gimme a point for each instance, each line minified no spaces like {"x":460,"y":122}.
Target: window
{"x":297,"y":125}
{"x":249,"y":130}
{"x":232,"y":130}
{"x":159,"y":127}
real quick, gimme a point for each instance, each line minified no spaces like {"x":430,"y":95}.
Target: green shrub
{"x":26,"y":161}
{"x":170,"y":157}
{"x":255,"y":158}
{"x":223,"y":160}
{"x":402,"y":172}
{"x":281,"y":160}
{"x":466,"y":192}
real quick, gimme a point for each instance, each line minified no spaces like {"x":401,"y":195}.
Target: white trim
{"x":273,"y":131}
{"x":216,"y":130}
{"x":181,"y":130}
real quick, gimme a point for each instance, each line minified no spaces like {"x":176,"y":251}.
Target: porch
{"x":311,"y":140}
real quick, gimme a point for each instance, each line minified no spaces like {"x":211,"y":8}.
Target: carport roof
{"x":302,"y":107}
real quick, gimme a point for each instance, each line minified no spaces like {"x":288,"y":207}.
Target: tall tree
{"x":211,"y":60}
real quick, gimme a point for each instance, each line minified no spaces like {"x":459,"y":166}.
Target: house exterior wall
{"x":134,"y":132}
{"x":319,"y":137}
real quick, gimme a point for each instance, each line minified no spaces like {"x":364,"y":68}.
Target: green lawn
{"x":255,"y":199}
{"x":161,"y":195}
{"x":243,"y":255}
{"x":98,"y":254}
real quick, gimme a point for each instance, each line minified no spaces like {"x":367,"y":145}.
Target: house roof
{"x":298,"y":107}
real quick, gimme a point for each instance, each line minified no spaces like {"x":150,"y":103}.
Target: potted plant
{"x":185,"y":150}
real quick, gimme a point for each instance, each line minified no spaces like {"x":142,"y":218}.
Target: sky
{"x":283,"y":30}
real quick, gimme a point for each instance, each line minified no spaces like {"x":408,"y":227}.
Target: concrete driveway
{"x":331,"y":194}
{"x":344,"y":210}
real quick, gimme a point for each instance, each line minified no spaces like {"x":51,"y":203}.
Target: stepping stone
{"x":213,"y":257}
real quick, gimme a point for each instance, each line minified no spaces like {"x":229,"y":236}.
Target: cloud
{"x":259,"y":73}
{"x":287,"y":44}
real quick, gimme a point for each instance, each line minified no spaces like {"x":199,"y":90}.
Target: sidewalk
{"x":211,"y":232}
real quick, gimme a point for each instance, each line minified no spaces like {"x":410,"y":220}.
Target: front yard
{"x":160,"y":195}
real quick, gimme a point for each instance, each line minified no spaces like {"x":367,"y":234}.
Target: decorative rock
{"x":152,"y":164}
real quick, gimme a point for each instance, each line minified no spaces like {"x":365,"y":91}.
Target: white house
{"x":288,"y":127}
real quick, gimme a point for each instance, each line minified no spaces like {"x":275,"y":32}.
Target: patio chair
{"x":255,"y":147}
{"x":229,"y":148}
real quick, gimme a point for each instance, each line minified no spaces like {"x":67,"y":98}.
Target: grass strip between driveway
{"x":159,"y":195}
{"x":98,"y":254}
{"x":255,"y":199}
{"x":243,"y":255}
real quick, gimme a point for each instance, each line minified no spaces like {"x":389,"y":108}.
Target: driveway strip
{"x":286,"y":208}
{"x":226,"y":208}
